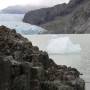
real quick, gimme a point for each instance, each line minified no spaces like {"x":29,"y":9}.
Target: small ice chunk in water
{"x":62,"y":45}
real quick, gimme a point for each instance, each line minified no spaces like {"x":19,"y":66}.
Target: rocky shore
{"x":25,"y":67}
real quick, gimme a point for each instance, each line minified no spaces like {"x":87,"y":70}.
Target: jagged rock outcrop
{"x":73,"y":17}
{"x":24,"y":67}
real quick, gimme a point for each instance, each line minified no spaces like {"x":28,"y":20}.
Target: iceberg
{"x":62,"y":45}
{"x":14,"y":21}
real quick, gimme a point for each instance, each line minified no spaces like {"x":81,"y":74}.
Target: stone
{"x":5,"y":73}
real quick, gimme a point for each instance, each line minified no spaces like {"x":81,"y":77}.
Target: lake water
{"x":81,"y":61}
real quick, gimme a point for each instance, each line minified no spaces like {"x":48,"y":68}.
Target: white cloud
{"x":54,"y":2}
{"x":5,"y":3}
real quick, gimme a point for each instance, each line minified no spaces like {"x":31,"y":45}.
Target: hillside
{"x":73,"y":17}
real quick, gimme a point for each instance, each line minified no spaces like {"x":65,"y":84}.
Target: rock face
{"x":44,"y":15}
{"x":73,"y":17}
{"x":24,"y":67}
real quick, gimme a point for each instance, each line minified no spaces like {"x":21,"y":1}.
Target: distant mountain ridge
{"x":17,"y":9}
{"x":73,"y":17}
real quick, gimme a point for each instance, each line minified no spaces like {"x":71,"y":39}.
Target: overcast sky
{"x":5,"y":3}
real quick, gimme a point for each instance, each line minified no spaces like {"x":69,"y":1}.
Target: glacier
{"x":14,"y":21}
{"x":62,"y":45}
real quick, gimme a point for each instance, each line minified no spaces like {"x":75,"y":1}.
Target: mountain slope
{"x":76,"y":22}
{"x":73,"y":17}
